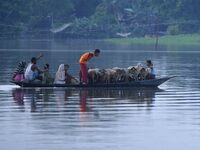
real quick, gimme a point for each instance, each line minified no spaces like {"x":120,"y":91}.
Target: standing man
{"x":83,"y":64}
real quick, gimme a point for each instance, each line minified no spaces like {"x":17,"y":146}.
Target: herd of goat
{"x":115,"y":75}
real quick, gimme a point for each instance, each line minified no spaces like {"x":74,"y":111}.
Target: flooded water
{"x":167,"y":117}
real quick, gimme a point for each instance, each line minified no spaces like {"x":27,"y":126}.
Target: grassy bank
{"x":187,"y":39}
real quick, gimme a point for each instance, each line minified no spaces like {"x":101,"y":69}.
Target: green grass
{"x":187,"y":39}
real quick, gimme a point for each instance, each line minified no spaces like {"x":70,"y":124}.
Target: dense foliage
{"x":99,"y":18}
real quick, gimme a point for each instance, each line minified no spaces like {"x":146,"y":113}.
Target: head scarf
{"x":60,"y":74}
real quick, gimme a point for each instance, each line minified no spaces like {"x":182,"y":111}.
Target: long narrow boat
{"x":142,"y":83}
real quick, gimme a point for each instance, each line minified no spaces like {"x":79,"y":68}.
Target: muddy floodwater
{"x":163,"y":118}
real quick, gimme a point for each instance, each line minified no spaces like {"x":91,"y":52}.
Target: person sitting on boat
{"x":46,"y":76}
{"x":18,"y":74}
{"x":32,"y":71}
{"x":150,"y":70}
{"x":70,"y":78}
{"x":83,"y":64}
{"x":62,"y":76}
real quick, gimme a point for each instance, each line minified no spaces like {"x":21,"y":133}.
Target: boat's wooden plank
{"x":144,"y":83}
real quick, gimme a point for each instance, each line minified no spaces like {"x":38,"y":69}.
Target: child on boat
{"x":46,"y":77}
{"x":150,"y":70}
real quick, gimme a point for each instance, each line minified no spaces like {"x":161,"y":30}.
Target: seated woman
{"x":150,"y":70}
{"x":18,"y":74}
{"x":62,"y":76}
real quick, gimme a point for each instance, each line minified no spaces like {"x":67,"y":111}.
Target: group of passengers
{"x":32,"y":73}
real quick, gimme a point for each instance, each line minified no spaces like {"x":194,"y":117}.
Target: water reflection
{"x":18,"y":97}
{"x":66,"y":100}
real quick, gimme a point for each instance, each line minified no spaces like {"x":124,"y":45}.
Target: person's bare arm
{"x":39,"y":56}
{"x":68,"y":75}
{"x":74,"y":78}
{"x":34,"y":67}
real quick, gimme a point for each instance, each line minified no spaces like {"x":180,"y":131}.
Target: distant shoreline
{"x":183,"y":39}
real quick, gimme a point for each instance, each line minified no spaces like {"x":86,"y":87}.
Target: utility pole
{"x":52,"y":25}
{"x":156,"y":32}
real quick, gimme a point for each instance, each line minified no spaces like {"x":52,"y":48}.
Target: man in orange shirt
{"x":83,"y":64}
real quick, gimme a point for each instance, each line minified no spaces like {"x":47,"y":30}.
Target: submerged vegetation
{"x":98,"y":18}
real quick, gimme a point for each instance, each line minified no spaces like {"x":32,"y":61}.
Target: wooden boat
{"x":142,"y":83}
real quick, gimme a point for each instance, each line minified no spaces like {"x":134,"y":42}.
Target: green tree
{"x":85,"y":8}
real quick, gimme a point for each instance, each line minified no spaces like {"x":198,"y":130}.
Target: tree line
{"x":99,"y":18}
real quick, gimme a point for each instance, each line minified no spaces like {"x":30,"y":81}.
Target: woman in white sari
{"x":61,"y":74}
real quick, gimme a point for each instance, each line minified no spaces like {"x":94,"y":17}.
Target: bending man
{"x":83,"y":64}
